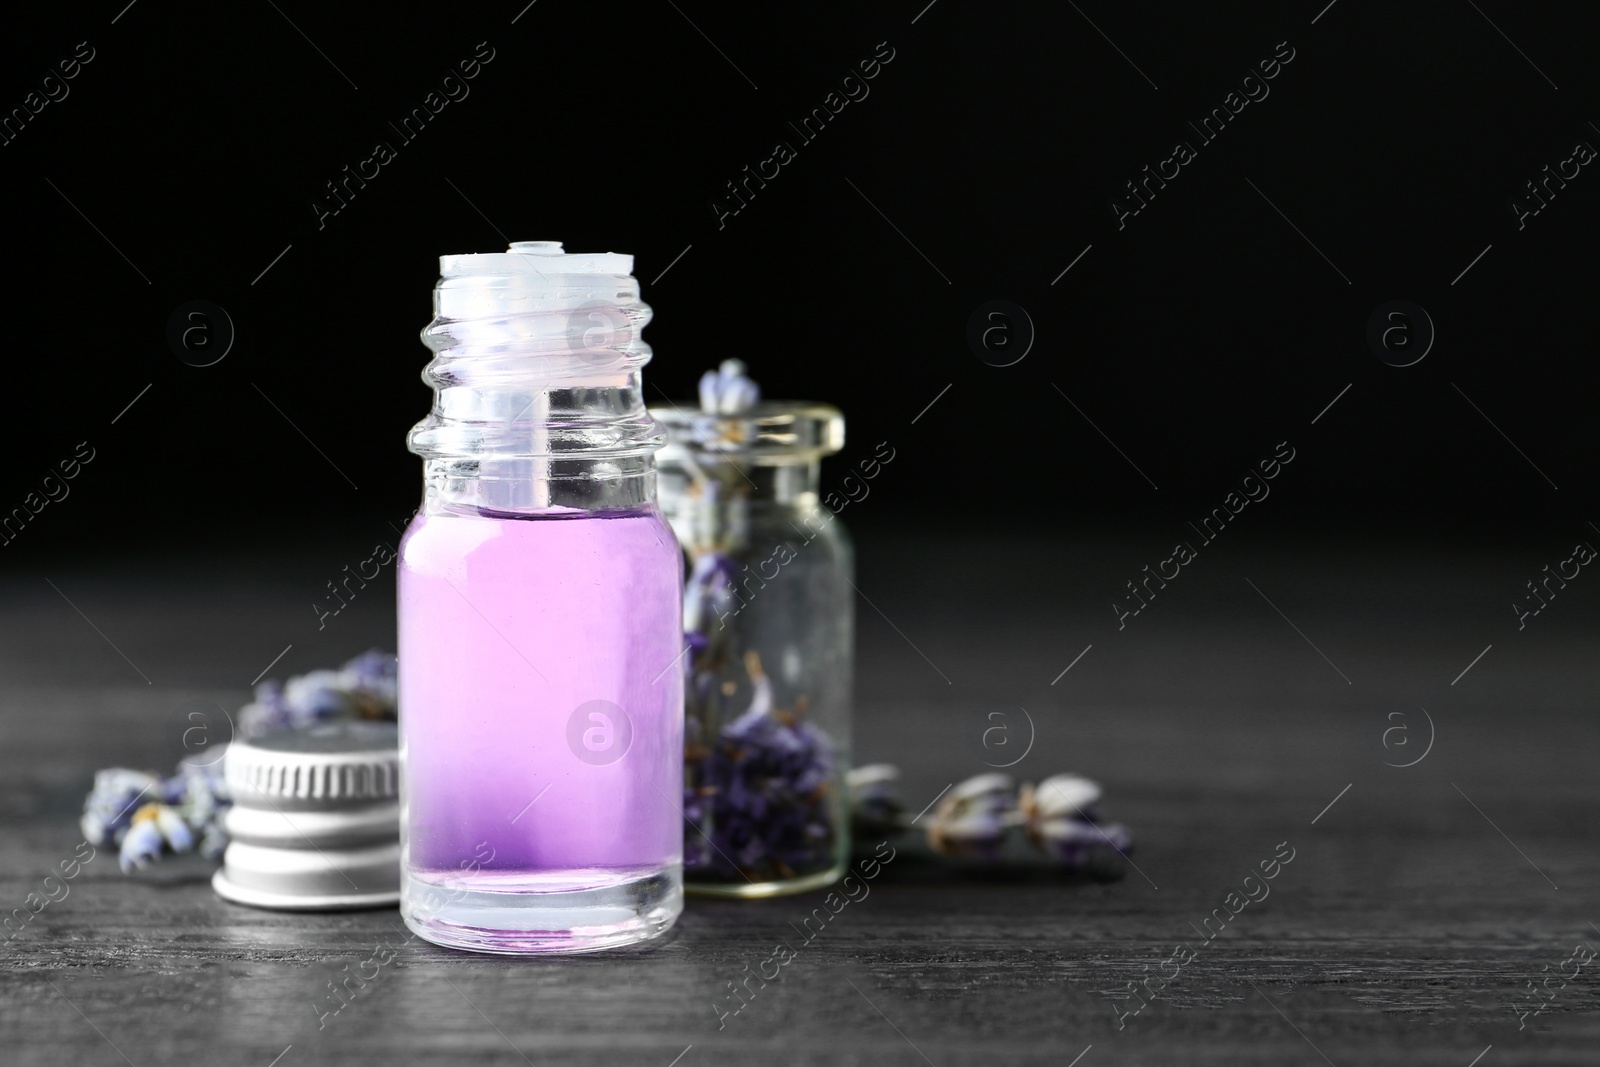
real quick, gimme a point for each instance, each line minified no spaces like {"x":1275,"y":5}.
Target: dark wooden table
{"x":1420,"y":903}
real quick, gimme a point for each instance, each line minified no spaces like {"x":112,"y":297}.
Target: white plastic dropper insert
{"x":512,"y":327}
{"x":536,"y":258}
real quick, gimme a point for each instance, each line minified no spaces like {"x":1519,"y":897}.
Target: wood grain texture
{"x":1403,"y":931}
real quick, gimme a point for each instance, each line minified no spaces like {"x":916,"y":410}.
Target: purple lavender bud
{"x":270,"y":693}
{"x":171,"y":790}
{"x":375,"y":674}
{"x":259,"y":719}
{"x":206,"y":801}
{"x":316,"y":697}
{"x":728,"y":390}
{"x":1065,"y":795}
{"x":109,"y":807}
{"x":985,"y":794}
{"x":809,"y":776}
{"x":973,"y":818}
{"x":174,"y":829}
{"x":708,"y":594}
{"x":760,"y":785}
{"x":1076,"y":843}
{"x":140,"y":845}
{"x":976,"y":835}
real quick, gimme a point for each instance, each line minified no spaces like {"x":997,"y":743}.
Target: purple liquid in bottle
{"x":510,"y":628}
{"x":541,"y":678}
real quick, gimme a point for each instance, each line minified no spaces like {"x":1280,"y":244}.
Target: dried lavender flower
{"x":728,"y":390}
{"x":1073,"y":843}
{"x":364,"y":688}
{"x":141,"y":844}
{"x":875,"y":807}
{"x":155,"y":827}
{"x":1061,"y":820}
{"x":205,"y":801}
{"x":1064,"y":794}
{"x":972,"y":819}
{"x":147,"y":817}
{"x":108,"y":809}
{"x":757,"y":796}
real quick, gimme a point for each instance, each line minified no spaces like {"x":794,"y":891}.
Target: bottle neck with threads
{"x":538,"y":403}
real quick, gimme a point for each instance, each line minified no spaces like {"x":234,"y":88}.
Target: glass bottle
{"x":769,"y":616}
{"x":541,"y":723}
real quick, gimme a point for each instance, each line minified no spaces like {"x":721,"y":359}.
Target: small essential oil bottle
{"x":541,"y":696}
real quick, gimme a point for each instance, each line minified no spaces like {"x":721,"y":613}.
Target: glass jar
{"x":769,"y":621}
{"x":541,"y":726}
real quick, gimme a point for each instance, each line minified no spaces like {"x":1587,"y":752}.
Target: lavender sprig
{"x":364,"y":688}
{"x":975,"y":819}
{"x":147,"y":817}
{"x":728,"y":390}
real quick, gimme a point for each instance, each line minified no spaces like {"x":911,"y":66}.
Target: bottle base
{"x":548,"y":913}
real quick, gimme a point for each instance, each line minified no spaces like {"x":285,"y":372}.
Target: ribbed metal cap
{"x":333,"y":765}
{"x":315,"y":822}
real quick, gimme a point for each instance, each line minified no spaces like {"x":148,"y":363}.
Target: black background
{"x":1196,"y":338}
